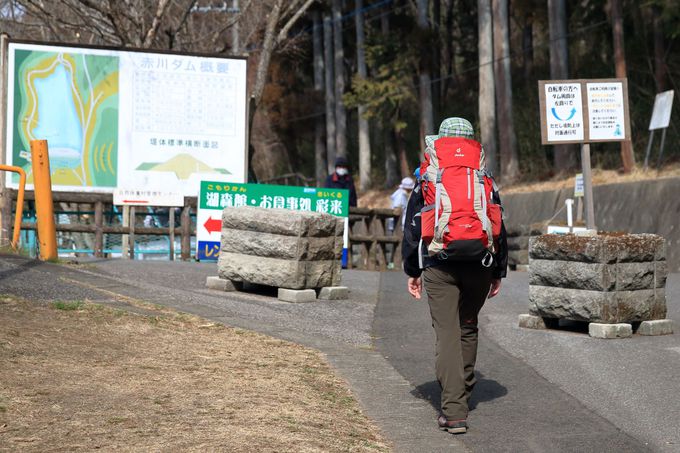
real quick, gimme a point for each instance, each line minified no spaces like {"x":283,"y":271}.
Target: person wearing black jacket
{"x":341,"y":179}
{"x":456,"y":292}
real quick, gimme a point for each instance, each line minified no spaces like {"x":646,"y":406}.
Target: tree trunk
{"x":236,"y":32}
{"x":660,"y":69}
{"x":487,"y":105}
{"x":450,"y":51}
{"x":565,"y":155}
{"x":436,"y":60}
{"x":424,"y":78}
{"x":330,"y":93}
{"x":404,"y":167}
{"x":391,"y":165}
{"x":364,"y":133}
{"x":340,"y":111}
{"x":507,"y":141}
{"x":627,"y":155}
{"x":528,"y":48}
{"x":319,"y":145}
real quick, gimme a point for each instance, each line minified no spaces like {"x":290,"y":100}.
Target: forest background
{"x":367,"y":79}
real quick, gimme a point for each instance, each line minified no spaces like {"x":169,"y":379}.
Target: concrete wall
{"x":637,"y":207}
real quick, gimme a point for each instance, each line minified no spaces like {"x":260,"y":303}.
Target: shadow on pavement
{"x":485,"y":390}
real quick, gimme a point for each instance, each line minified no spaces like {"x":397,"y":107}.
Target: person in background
{"x":400,"y":197}
{"x":341,"y":179}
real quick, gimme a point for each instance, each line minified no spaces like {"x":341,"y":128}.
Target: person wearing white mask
{"x":341,"y":179}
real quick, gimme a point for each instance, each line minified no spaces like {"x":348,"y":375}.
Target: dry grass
{"x":78,"y":376}
{"x":381,"y":198}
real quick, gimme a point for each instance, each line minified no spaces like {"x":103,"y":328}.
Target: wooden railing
{"x":184,"y":230}
{"x":372,"y":244}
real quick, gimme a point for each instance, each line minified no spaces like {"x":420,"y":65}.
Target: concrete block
{"x":656,"y":327}
{"x":296,"y":295}
{"x":334,"y":293}
{"x":635,"y":305}
{"x":531,"y":322}
{"x":660,"y":274}
{"x":622,"y":330}
{"x":220,"y":284}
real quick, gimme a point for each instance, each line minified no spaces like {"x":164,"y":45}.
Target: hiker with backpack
{"x":455,"y":242}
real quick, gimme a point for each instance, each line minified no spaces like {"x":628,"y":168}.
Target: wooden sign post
{"x":584,"y":111}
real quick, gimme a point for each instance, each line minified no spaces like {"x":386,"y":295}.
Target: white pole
{"x":570,"y":205}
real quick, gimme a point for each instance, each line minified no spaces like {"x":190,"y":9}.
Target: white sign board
{"x":147,"y":197}
{"x":564,"y":112}
{"x":115,"y":118}
{"x":663,"y":105}
{"x":578,"y":185}
{"x":606,"y":111}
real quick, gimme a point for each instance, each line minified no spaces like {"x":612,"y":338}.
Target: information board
{"x":584,"y":111}
{"x":216,"y":196}
{"x":663,"y":106}
{"x":115,"y":118}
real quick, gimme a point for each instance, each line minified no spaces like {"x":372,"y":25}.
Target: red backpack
{"x":460,"y":221}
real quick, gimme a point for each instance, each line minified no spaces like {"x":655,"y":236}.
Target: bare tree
{"x":507,"y":141}
{"x":320,"y":165}
{"x":340,"y":110}
{"x":424,"y":75}
{"x":364,"y":133}
{"x":487,"y":104}
{"x":660,"y":67}
{"x":565,"y":156}
{"x":331,"y":149}
{"x":627,"y":155}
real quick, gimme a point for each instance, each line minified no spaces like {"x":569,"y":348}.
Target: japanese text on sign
{"x":563,"y":112}
{"x":606,"y":111}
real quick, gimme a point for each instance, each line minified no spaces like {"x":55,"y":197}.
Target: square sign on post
{"x":562,"y":113}
{"x":215,"y":196}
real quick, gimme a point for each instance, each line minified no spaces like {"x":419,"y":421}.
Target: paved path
{"x":538,"y":391}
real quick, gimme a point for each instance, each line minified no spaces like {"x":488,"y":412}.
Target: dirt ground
{"x":76,"y":376}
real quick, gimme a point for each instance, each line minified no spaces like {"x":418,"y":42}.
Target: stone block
{"x":277,"y":245}
{"x":635,"y":305}
{"x":621,"y":330}
{"x":569,"y":247}
{"x":334,"y":293}
{"x":632,"y":276}
{"x":531,"y":322}
{"x":660,"y":274}
{"x":220,"y":284}
{"x":637,"y":247}
{"x":279,"y":221}
{"x":656,"y":327}
{"x":296,"y":295}
{"x":572,"y":274}
{"x":573,"y":304}
{"x":278,"y":272}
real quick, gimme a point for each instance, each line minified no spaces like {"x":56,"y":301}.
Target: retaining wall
{"x":637,"y":207}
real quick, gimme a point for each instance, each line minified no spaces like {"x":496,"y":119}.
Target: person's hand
{"x":415,"y":286}
{"x":495,"y":287}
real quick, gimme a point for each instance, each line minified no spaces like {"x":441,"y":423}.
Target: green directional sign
{"x":215,"y":196}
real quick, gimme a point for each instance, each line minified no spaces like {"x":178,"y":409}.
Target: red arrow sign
{"x":213,"y":225}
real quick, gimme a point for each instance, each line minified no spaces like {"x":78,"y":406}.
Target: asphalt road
{"x":547,"y":391}
{"x":541,"y":391}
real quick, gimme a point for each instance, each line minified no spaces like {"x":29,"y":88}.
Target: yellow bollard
{"x":42,"y":183}
{"x":20,"y":202}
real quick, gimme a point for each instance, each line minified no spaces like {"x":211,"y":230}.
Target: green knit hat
{"x":456,"y":127}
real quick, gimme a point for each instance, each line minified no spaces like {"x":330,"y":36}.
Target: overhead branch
{"x":151,"y":33}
